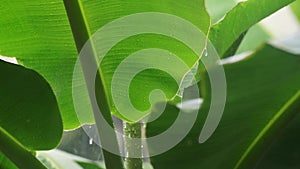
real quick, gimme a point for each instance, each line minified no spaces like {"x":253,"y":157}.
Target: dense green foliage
{"x":36,"y":104}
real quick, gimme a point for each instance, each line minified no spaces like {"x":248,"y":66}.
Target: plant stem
{"x":17,"y":153}
{"x":81,"y":34}
{"x":133,"y":148}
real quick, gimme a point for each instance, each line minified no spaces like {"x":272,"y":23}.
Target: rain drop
{"x":144,"y":125}
{"x":205,"y":52}
{"x":91,"y":141}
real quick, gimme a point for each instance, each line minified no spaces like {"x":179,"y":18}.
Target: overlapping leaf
{"x":38,"y":34}
{"x":284,"y":150}
{"x":29,"y":116}
{"x":145,"y":81}
{"x":240,"y":19}
{"x":28,"y":108}
{"x":263,"y":94}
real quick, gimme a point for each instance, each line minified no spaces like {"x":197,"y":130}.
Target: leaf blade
{"x":252,"y":100}
{"x":224,"y":33}
{"x":28,"y":108}
{"x":38,"y":35}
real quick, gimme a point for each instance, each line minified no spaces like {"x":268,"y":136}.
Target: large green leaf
{"x":38,"y":34}
{"x":240,"y":19}
{"x":98,"y":14}
{"x":29,"y":116}
{"x":28,"y":108}
{"x":263,"y":94}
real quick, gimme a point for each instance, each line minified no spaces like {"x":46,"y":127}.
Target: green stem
{"x":81,"y":34}
{"x":133,"y":149}
{"x":17,"y":153}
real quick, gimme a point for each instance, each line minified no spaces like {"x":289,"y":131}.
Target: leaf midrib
{"x":77,"y":18}
{"x":285,"y":110}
